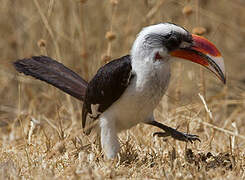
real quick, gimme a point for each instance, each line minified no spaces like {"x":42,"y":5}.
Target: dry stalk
{"x":232,"y":117}
{"x":84,"y":49}
{"x":51,"y":124}
{"x":71,"y":109}
{"x":197,"y":119}
{"x":154,"y":10}
{"x":33,"y":125}
{"x":21,"y":125}
{"x":48,"y":27}
{"x":110,"y":35}
{"x":61,"y":131}
{"x":206,"y":106}
{"x":42,"y":42}
{"x":233,"y":138}
{"x":50,"y":9}
{"x":230,"y":141}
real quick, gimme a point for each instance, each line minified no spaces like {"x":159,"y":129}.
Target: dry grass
{"x":41,"y":135}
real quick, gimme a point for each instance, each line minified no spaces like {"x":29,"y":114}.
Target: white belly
{"x":140,"y":98}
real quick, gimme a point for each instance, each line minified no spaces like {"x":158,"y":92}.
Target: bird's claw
{"x":178,"y":135}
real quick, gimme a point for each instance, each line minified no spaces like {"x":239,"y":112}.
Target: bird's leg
{"x":109,"y":140}
{"x":173,"y":133}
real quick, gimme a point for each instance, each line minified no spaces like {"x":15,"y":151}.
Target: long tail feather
{"x":54,"y":73}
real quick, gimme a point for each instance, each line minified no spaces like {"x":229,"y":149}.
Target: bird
{"x":125,"y":91}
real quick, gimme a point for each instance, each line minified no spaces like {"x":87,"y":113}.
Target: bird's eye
{"x":168,"y":36}
{"x":173,"y":43}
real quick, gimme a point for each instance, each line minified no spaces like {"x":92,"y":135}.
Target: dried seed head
{"x":110,"y":36}
{"x":84,"y":55}
{"x":114,"y":2}
{"x":83,"y":1}
{"x":187,"y":10}
{"x":105,"y":58}
{"x":13,"y":42}
{"x":199,"y":30}
{"x":41,"y":43}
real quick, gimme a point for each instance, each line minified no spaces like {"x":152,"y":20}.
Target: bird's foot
{"x":174,"y":133}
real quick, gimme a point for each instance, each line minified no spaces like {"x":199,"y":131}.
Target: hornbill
{"x":125,"y":91}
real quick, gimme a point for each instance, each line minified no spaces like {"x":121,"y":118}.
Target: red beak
{"x":205,"y":53}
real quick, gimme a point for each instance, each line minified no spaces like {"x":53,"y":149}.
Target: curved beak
{"x":205,"y":53}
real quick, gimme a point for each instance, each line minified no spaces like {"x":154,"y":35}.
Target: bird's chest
{"x":142,"y":96}
{"x":151,"y":85}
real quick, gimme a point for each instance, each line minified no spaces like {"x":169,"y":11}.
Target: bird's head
{"x":162,"y":41}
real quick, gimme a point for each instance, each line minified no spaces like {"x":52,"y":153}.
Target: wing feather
{"x":107,"y":86}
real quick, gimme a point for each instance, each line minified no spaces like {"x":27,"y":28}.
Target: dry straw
{"x":40,"y":128}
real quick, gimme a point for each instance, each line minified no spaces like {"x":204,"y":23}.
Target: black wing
{"x":53,"y":72}
{"x":107,"y":86}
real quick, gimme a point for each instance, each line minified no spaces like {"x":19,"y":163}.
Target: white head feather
{"x":141,"y":51}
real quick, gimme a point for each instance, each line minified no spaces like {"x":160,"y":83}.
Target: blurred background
{"x":85,"y":34}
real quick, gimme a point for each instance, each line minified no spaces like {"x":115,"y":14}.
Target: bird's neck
{"x":154,"y":74}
